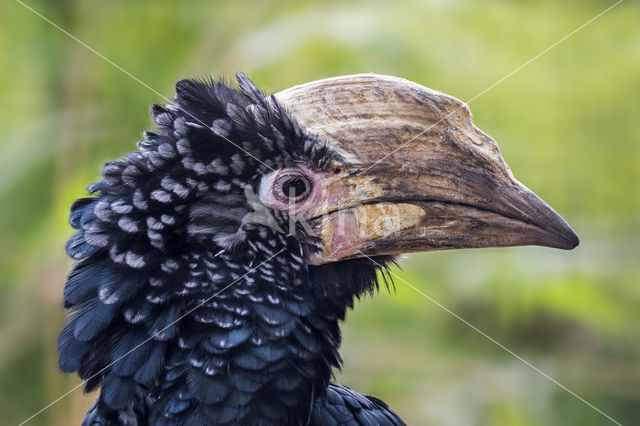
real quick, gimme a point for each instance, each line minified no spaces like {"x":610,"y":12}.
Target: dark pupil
{"x":294,"y":187}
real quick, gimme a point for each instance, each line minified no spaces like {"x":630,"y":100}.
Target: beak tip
{"x":573,"y":240}
{"x":567,"y":238}
{"x":571,"y":243}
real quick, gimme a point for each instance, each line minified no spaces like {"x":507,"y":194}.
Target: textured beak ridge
{"x":416,"y":174}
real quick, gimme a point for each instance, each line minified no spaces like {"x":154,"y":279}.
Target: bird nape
{"x":215,"y":263}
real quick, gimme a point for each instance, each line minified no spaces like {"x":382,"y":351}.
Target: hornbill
{"x":215,"y":263}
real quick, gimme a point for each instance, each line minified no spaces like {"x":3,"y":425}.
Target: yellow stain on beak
{"x":346,"y":232}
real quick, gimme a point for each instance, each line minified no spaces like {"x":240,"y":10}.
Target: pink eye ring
{"x":293,"y":186}
{"x":295,"y":190}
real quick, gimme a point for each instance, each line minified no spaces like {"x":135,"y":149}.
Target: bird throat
{"x":262,"y":348}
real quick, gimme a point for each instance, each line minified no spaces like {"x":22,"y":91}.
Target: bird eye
{"x":291,"y":187}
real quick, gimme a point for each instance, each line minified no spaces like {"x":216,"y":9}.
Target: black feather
{"x":92,"y":319}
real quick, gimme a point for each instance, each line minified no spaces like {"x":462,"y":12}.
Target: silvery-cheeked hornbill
{"x":215,"y":263}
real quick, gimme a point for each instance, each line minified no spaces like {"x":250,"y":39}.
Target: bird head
{"x":341,"y":168}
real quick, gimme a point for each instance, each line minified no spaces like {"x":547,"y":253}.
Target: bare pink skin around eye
{"x":303,"y":208}
{"x":327,"y":190}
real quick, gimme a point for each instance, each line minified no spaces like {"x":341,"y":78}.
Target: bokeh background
{"x":568,"y":125}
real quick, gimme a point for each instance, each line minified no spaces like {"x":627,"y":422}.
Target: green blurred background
{"x":568,"y":125}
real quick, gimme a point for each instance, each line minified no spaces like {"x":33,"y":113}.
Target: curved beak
{"x":415,"y":174}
